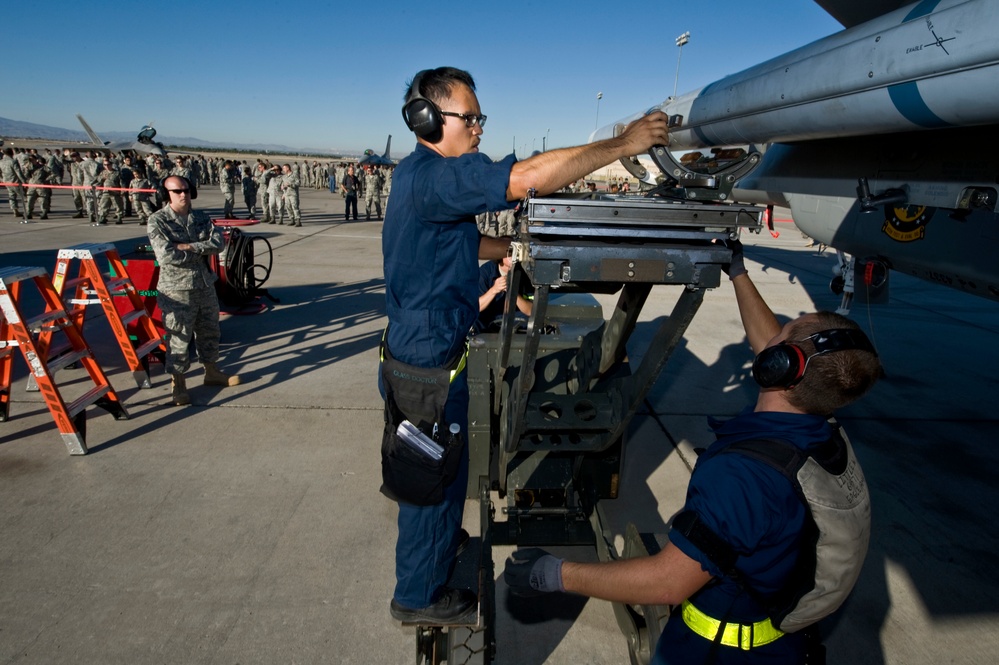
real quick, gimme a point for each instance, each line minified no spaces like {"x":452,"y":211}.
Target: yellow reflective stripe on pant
{"x":742,"y":636}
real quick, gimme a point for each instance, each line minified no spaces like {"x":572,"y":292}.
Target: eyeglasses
{"x":470,"y":119}
{"x":179,"y":191}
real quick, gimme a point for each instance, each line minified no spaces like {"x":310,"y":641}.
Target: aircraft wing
{"x":881,"y":138}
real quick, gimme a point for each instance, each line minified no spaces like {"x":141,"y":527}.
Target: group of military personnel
{"x":30,"y":168}
{"x":130,"y":185}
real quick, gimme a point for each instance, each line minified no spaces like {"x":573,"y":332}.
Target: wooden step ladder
{"x":91,"y":286}
{"x":16,"y":331}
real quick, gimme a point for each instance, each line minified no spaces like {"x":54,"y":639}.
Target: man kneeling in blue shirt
{"x":750,"y":507}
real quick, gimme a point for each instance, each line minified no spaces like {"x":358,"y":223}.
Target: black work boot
{"x":453,"y":606}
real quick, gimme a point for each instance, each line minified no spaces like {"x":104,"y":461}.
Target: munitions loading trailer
{"x":550,"y":408}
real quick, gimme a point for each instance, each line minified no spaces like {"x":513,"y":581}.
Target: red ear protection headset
{"x":784,"y":365}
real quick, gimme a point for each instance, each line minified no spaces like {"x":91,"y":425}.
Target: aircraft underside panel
{"x":929,"y":243}
{"x":932,"y":206}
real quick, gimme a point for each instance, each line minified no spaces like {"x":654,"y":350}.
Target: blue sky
{"x":332,"y":74}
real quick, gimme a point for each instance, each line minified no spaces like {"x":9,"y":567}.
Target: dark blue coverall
{"x":754,"y":509}
{"x":430,"y":245}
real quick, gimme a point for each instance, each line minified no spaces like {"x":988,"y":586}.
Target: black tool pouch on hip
{"x":416,"y":394}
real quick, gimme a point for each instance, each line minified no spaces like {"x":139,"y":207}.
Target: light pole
{"x":680,"y":41}
{"x":596,"y":122}
{"x":544,"y":141}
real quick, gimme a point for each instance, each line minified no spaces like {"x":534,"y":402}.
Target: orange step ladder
{"x":93,"y":287}
{"x":16,"y":331}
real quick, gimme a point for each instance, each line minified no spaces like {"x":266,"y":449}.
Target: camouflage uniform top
{"x":183,"y":172}
{"x":227,"y":180}
{"x":54,"y":166}
{"x":109,"y":178}
{"x":140,"y":183}
{"x":263,"y":179}
{"x":373,"y":182}
{"x":38,"y":174}
{"x":274,"y":185}
{"x":10,"y":170}
{"x":160,"y":175}
{"x":76,"y":173}
{"x":183,"y":270}
{"x":290,"y":182}
{"x":90,"y":169}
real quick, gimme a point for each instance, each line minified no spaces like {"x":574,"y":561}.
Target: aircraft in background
{"x":378,"y":160}
{"x":143,"y":143}
{"x":881,"y":139}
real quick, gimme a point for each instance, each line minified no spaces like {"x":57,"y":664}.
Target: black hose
{"x":239,"y":273}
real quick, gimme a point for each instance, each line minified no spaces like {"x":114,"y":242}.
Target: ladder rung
{"x":65,"y":360}
{"x":40,"y":320}
{"x":132,"y":316}
{"x":116,"y":284}
{"x":75,"y":282}
{"x":87,"y":399}
{"x":144,"y":350}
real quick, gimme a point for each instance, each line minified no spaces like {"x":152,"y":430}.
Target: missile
{"x":931,"y":65}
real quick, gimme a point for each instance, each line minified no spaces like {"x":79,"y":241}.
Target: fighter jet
{"x":143,"y":143}
{"x":378,"y":160}
{"x":880,"y":138}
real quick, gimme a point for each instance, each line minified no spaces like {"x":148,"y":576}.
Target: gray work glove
{"x":532,"y":572}
{"x":738,"y":265}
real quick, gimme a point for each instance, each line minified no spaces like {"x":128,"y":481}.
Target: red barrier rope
{"x":28,"y":185}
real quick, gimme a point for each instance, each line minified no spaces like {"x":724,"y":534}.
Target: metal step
{"x":148,"y":347}
{"x":36,"y":324}
{"x":87,"y":399}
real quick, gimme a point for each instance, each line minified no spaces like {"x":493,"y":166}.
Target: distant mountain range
{"x":30,"y":130}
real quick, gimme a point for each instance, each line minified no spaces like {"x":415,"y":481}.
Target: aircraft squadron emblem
{"x":905,"y":224}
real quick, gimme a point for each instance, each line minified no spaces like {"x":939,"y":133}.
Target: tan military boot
{"x":213,"y":377}
{"x":180,"y":396}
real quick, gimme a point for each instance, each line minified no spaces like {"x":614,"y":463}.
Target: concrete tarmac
{"x":248,"y":527}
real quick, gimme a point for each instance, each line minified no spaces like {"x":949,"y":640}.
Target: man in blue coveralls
{"x":431,"y":247}
{"x":750,"y":506}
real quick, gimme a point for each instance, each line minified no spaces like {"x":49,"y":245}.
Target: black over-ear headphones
{"x":421,"y":115}
{"x":783,"y":365}
{"x":192,"y":191}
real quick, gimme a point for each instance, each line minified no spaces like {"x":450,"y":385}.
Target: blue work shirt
{"x":430,"y":244}
{"x":754,"y":509}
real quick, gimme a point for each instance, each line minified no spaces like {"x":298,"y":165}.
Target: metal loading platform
{"x":551,"y":400}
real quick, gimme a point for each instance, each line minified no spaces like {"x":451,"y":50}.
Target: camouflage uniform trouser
{"x":34,"y":193}
{"x":143,"y":209}
{"x":265,"y":205}
{"x":291,"y":205}
{"x":187,"y":314}
{"x":80,"y":201}
{"x":13,"y":196}
{"x":372,"y":199}
{"x":230,"y":201}
{"x":276,"y":204}
{"x":107,"y":198}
